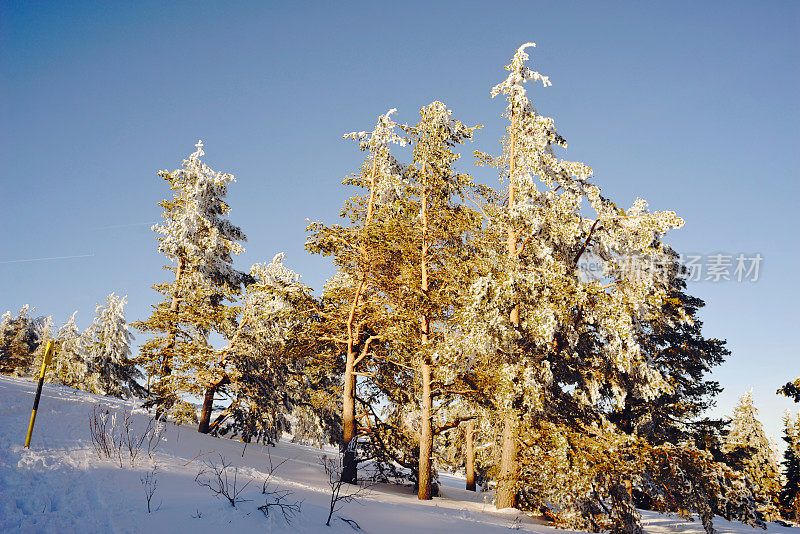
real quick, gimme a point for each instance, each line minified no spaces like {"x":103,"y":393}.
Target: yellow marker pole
{"x":47,"y":354}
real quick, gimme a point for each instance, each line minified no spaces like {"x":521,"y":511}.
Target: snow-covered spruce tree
{"x":790,"y":493}
{"x":748,"y":447}
{"x":109,"y":351}
{"x":678,"y":350}
{"x":200,"y":243}
{"x":46,"y":331}
{"x":20,"y":337}
{"x":553,"y":340}
{"x":71,"y":357}
{"x":560,"y":349}
{"x":352,"y":309}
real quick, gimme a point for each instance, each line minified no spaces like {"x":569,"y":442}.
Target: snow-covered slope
{"x":60,"y":484}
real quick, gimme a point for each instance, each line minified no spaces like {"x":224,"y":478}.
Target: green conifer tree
{"x":675,"y":344}
{"x":791,"y":390}
{"x":790,"y":493}
{"x":748,"y":443}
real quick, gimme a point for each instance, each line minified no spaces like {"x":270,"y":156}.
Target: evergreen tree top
{"x":196,"y":229}
{"x":519,"y":73}
{"x":381,"y":136}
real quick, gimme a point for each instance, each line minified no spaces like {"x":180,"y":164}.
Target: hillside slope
{"x":60,"y":484}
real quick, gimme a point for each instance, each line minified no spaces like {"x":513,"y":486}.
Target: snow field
{"x":60,"y":484}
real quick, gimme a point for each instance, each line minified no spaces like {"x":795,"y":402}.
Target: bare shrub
{"x":149,"y":485}
{"x":216,"y":476}
{"x":278,"y":500}
{"x":116,"y":438}
{"x":342,"y":492}
{"x":155,"y":435}
{"x":99,"y":432}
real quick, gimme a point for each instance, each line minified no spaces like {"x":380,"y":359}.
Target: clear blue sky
{"x":690,"y":105}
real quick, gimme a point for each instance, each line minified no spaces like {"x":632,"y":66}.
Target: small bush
{"x":217,"y":476}
{"x":278,"y":500}
{"x":341,"y":491}
{"x":114,"y":436}
{"x":149,"y":485}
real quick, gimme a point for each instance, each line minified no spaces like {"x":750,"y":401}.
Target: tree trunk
{"x":349,"y":462}
{"x":469,"y":454}
{"x":507,"y":483}
{"x":208,"y":407}
{"x":505,"y":496}
{"x":166,"y":362}
{"x":424,"y":491}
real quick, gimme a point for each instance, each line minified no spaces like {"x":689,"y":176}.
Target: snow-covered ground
{"x":60,"y":485}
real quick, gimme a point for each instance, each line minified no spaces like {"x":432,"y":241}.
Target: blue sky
{"x":692,"y":106}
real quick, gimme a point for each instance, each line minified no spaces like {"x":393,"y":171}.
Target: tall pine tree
{"x":353,"y":309}
{"x":436,"y":249}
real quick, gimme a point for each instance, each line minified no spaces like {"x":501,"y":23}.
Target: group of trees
{"x":746,"y":448}
{"x":97,"y":360}
{"x":459,"y":331}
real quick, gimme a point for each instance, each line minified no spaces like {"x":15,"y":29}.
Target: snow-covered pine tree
{"x":266,"y":372}
{"x":46,"y":330}
{"x":790,"y":493}
{"x":200,"y":243}
{"x":556,"y":350}
{"x":747,"y":443}
{"x":553,"y":340}
{"x":20,"y":337}
{"x":109,"y":351}
{"x":353,"y":312}
{"x":436,"y":250}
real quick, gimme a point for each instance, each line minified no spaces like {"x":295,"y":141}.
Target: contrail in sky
{"x":125,"y":225}
{"x":27,"y":260}
{"x":48,"y":259}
